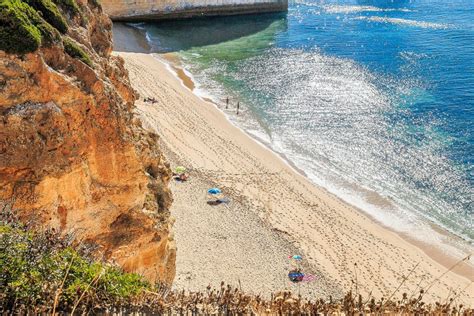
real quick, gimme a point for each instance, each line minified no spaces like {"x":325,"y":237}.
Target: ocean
{"x":373,"y":100}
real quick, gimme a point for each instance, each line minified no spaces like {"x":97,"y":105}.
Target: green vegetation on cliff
{"x":22,"y":29}
{"x":37,"y":269}
{"x":50,"y":13}
{"x":26,"y":25}
{"x":73,"y":50}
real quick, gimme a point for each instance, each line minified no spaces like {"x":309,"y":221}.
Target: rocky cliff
{"x":133,"y":10}
{"x":72,"y":155}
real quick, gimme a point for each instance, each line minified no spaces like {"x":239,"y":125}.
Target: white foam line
{"x":139,"y":25}
{"x":148,"y":39}
{"x":352,"y":8}
{"x":421,"y":24}
{"x":356,"y":9}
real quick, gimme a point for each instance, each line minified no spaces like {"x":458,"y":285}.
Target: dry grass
{"x":78,"y":284}
{"x":230,"y":300}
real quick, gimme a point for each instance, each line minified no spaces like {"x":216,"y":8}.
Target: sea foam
{"x":347,"y":9}
{"x":422,"y":24}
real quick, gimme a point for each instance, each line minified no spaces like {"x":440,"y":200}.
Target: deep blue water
{"x":372,"y":99}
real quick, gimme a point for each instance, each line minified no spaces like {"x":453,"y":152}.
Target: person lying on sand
{"x":182,"y":177}
{"x":150,"y":100}
{"x":213,"y":203}
{"x":219,"y":201}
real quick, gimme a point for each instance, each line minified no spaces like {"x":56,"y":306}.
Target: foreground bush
{"x":43,"y":273}
{"x":43,"y":270}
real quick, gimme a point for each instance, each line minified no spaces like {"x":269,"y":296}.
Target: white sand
{"x":275,"y":211}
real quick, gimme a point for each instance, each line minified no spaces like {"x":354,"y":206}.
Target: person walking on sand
{"x":238,"y":107}
{"x":227,"y":103}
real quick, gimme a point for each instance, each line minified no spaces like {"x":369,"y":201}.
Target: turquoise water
{"x":374,"y":100}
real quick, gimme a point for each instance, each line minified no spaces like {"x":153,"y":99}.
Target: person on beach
{"x":238,"y":107}
{"x":227,"y":103}
{"x":150,"y":100}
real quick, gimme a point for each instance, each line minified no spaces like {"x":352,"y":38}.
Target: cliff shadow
{"x":130,"y":39}
{"x":176,"y":35}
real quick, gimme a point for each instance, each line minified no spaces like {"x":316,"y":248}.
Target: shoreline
{"x":434,"y":251}
{"x":332,"y":235}
{"x":136,"y":41}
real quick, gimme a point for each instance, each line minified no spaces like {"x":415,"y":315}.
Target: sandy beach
{"x":274,"y":211}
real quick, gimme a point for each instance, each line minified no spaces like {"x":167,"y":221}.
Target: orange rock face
{"x":73,"y":157}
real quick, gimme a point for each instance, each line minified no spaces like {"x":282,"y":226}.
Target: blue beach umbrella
{"x":214,"y":191}
{"x":296,"y":257}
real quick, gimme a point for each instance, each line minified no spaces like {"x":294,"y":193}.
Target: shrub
{"x":37,"y":268}
{"x":73,"y":50}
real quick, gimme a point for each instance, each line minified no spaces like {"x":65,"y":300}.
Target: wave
{"x":137,"y":25}
{"x":422,"y":24}
{"x":347,"y":9}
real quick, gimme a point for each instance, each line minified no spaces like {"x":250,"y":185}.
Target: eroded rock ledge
{"x":131,"y":10}
{"x":72,"y":155}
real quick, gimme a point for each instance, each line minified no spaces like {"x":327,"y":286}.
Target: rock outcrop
{"x":72,"y":155}
{"x":132,"y":10}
